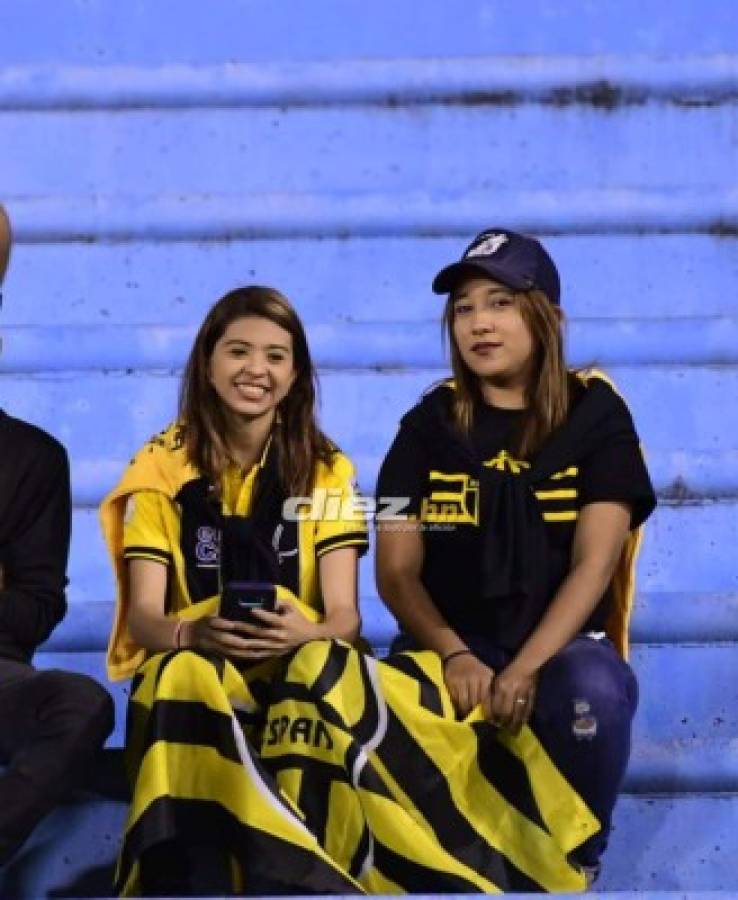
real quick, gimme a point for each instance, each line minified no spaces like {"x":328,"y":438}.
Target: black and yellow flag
{"x":336,"y":773}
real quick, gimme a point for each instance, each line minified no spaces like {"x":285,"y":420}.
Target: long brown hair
{"x":6,"y":239}
{"x":547,"y":395}
{"x":300,"y":442}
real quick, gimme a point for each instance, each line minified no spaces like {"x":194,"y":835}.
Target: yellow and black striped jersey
{"x":162,"y":510}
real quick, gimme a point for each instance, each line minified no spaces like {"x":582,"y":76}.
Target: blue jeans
{"x":586,"y":699}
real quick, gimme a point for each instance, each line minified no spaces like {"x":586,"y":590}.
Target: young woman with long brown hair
{"x":204,"y":509}
{"x":526,"y":489}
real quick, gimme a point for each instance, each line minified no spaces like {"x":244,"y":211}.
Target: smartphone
{"x":239,"y":598}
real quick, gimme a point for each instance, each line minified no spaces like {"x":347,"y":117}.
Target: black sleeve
{"x":32,"y":599}
{"x":404,"y":472}
{"x":617,"y":471}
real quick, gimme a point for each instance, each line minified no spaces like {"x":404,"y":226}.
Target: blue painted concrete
{"x":250,"y":151}
{"x":184,"y":31}
{"x":141,"y":403}
{"x":660,"y":617}
{"x":154,"y":156}
{"x":73,"y":852}
{"x":365,"y":279}
{"x":601,"y":81}
{"x":298,"y":215}
{"x":687,"y":549}
{"x":689,"y":341}
{"x":672,"y":844}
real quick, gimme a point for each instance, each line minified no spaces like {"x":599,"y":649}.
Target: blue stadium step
{"x":345,"y":29}
{"x":104,"y":417}
{"x":584,"y":152}
{"x":174,"y":283}
{"x":71,"y":854}
{"x":669,"y":565}
{"x":660,"y":617}
{"x":686,"y":341}
{"x":689,"y":743}
{"x":684,"y":844}
{"x":152,"y":168}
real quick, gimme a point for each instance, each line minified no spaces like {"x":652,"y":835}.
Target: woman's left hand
{"x":281,"y":631}
{"x":509,"y":703}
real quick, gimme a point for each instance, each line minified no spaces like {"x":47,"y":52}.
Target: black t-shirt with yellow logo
{"x":441,"y":476}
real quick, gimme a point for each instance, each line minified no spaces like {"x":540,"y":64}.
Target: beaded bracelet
{"x":453,"y":655}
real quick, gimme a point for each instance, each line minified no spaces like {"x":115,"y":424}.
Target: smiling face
{"x":490,"y":333}
{"x":251,"y":367}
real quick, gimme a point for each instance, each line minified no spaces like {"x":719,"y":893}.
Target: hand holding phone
{"x":240,"y":598}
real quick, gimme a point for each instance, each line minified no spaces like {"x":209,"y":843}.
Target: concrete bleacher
{"x":153,"y":156}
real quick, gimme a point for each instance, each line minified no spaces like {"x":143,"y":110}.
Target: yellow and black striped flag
{"x":335,"y":773}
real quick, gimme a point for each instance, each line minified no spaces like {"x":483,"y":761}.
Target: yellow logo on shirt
{"x":454,"y":499}
{"x":504,"y":462}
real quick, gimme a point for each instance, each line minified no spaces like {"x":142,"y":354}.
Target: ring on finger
{"x":521,"y":700}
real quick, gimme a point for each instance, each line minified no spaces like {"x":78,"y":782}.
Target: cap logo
{"x":488,"y":246}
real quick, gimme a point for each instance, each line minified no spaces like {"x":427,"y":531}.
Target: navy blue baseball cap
{"x":513,"y":259}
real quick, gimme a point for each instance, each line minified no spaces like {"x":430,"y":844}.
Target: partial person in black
{"x":526,"y":488}
{"x":51,"y":722}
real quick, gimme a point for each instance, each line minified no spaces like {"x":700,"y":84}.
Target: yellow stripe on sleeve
{"x":561,"y":494}
{"x":569,"y":515}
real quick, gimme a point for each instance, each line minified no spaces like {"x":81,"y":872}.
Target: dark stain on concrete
{"x":600,"y":94}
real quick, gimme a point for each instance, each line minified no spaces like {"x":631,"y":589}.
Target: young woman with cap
{"x":201,"y":507}
{"x":527,"y":489}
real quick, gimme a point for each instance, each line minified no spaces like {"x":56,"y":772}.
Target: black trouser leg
{"x":51,"y":725}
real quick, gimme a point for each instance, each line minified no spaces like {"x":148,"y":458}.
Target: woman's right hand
{"x":468,"y":681}
{"x":218,"y":636}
